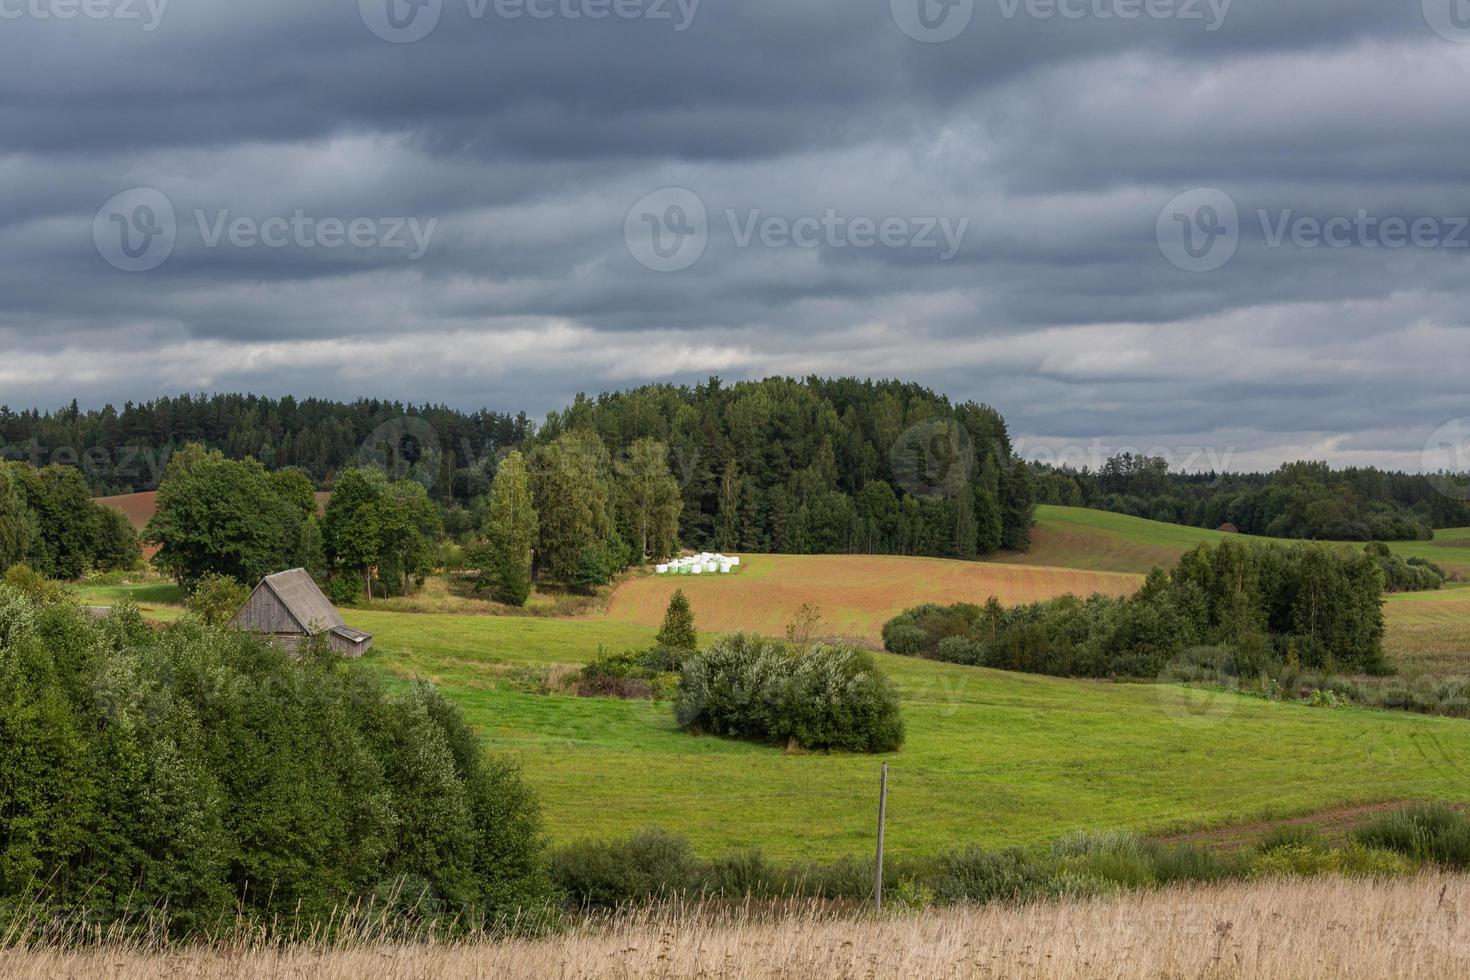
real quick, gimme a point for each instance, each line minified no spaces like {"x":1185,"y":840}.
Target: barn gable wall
{"x":265,"y":613}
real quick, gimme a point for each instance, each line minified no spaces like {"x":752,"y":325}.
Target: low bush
{"x":1430,"y":832}
{"x":649,"y":865}
{"x":1117,"y":859}
{"x":631,"y":676}
{"x":1289,"y":835}
{"x":829,"y":697}
{"x":215,"y":599}
{"x":977,"y":875}
{"x":655,"y":865}
{"x":960,"y":650}
{"x":742,"y":874}
{"x":1189,"y":862}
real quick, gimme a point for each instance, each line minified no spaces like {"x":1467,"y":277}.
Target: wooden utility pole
{"x":882,"y":815}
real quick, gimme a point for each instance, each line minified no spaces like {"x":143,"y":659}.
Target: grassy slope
{"x":1077,"y":537}
{"x":991,"y":757}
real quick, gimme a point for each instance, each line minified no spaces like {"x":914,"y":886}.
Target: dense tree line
{"x":49,"y":522}
{"x":1308,"y":500}
{"x":1313,"y":606}
{"x":813,"y":466}
{"x":207,"y":772}
{"x":126,"y":451}
{"x":822,"y":466}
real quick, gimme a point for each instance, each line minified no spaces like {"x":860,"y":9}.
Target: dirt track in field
{"x":856,"y":594}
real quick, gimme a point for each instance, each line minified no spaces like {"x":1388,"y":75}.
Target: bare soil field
{"x":136,"y":507}
{"x":856,"y":594}
{"x":1301,"y":929}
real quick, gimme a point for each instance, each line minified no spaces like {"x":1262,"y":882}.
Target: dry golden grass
{"x":856,"y":594}
{"x":1297,"y":929}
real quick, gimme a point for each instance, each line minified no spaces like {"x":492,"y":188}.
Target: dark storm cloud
{"x":1017,"y":172}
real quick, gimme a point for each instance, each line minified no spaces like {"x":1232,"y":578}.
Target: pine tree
{"x":678,"y":631}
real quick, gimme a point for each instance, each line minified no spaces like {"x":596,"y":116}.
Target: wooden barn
{"x":289,"y":607}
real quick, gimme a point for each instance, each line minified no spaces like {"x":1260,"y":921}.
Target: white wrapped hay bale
{"x":661,"y":569}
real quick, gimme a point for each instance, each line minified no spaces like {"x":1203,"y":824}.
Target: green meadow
{"x":991,"y":758}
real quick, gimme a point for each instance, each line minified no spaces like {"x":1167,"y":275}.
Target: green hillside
{"x":991,"y":757}
{"x":1078,"y":537}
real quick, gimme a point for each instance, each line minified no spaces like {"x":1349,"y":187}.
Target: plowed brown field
{"x":856,"y":594}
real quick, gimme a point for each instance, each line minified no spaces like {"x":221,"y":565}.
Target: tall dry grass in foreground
{"x":1298,"y":929}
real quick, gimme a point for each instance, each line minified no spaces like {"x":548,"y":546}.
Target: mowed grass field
{"x":991,"y":758}
{"x":856,"y":594}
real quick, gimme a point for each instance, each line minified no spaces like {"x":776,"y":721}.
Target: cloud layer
{"x":990,"y":214}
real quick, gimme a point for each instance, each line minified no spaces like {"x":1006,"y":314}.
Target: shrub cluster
{"x":655,"y":865}
{"x":1428,"y":833}
{"x":1307,"y":605}
{"x":206,"y":770}
{"x":827,"y":697}
{"x":634,"y":675}
{"x":1406,"y":575}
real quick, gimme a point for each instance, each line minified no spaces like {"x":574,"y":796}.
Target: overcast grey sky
{"x":1124,"y":223}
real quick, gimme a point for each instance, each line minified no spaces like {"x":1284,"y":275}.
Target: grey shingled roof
{"x":303,"y":600}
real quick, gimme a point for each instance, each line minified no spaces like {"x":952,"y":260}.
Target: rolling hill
{"x":1096,"y":540}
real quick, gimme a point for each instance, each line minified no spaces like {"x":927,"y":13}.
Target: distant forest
{"x":1307,"y":500}
{"x":125,"y":451}
{"x":813,"y":466}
